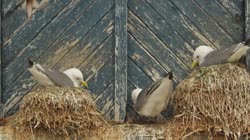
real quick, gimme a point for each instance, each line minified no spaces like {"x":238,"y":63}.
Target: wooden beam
{"x":247,"y":19}
{"x":1,"y":45}
{"x":120,"y":87}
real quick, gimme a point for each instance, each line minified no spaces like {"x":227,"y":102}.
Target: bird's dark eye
{"x":197,"y":56}
{"x":78,"y":78}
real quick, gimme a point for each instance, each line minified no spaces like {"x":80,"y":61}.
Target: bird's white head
{"x":135,"y":94}
{"x":199,"y":54}
{"x":76,"y":76}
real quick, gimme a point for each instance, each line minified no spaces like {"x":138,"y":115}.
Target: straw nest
{"x":215,"y":99}
{"x":59,"y":110}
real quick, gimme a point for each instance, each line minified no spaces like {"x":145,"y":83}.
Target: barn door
{"x":60,"y":35}
{"x":162,"y":35}
{"x":118,"y":44}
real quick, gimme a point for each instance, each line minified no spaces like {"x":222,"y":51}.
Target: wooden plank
{"x":10,"y":5}
{"x":101,"y":79}
{"x":105,"y":100}
{"x":247,"y":19}
{"x":162,"y":30}
{"x":66,"y":41}
{"x":180,"y":23}
{"x":223,"y":17}
{"x":120,"y":87}
{"x":1,"y":45}
{"x":204,"y":23}
{"x":13,"y":46}
{"x":145,"y":61}
{"x":12,"y":21}
{"x":100,"y":33}
{"x":234,"y":6}
{"x":156,"y":48}
{"x":88,"y":28}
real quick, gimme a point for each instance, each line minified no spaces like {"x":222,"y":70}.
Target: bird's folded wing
{"x":220,"y":56}
{"x":59,"y":78}
{"x":145,"y":93}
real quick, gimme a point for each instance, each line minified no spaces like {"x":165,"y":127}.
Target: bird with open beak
{"x":154,"y":99}
{"x":46,"y":77}
{"x":206,"y":56}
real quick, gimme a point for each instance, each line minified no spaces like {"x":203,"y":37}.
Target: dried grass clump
{"x":215,"y":98}
{"x":59,"y":111}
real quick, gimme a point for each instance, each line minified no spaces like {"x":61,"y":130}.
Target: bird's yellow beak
{"x":84,"y":84}
{"x":195,"y":64}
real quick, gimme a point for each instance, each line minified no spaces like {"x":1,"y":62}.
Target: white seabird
{"x":154,"y":99}
{"x":46,"y":77}
{"x":206,"y":56}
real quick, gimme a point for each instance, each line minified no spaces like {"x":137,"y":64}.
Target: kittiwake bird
{"x":206,"y":56}
{"x":46,"y":77}
{"x":154,"y":99}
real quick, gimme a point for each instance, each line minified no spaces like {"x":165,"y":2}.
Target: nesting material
{"x":215,"y":98}
{"x":59,"y":110}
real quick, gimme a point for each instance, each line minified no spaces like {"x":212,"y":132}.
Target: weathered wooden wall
{"x":162,"y":35}
{"x":62,"y":34}
{"x":118,"y":44}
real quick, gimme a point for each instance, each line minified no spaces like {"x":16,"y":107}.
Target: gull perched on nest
{"x":154,"y":99}
{"x":206,"y":56}
{"x":46,"y":77}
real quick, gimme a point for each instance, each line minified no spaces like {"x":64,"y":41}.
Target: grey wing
{"x":59,"y":78}
{"x":220,"y":56}
{"x":145,"y":93}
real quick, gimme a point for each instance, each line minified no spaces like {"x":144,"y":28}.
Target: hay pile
{"x":215,"y":98}
{"x":59,"y":111}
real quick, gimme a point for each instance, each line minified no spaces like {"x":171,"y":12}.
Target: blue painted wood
{"x":233,"y":6}
{"x":180,"y":23}
{"x":162,"y":30}
{"x":105,"y":100}
{"x":204,"y":23}
{"x":10,"y":5}
{"x":12,"y":22}
{"x":156,"y":48}
{"x":97,"y":7}
{"x":247,"y":19}
{"x":89,"y":44}
{"x":17,"y":42}
{"x":120,"y":87}
{"x":67,"y":39}
{"x":1,"y":44}
{"x":223,"y":18}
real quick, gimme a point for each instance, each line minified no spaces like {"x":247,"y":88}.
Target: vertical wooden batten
{"x":120,"y":87}
{"x":1,"y":45}
{"x":247,"y":19}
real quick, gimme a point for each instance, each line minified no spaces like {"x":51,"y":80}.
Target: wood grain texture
{"x":157,"y":48}
{"x":1,"y":45}
{"x":215,"y":10}
{"x":158,"y":26}
{"x":204,"y":23}
{"x":12,"y":21}
{"x":63,"y":38}
{"x":120,"y":87}
{"x":39,"y":44}
{"x":103,"y":23}
{"x":17,"y":42}
{"x":233,"y":6}
{"x":180,"y":23}
{"x":10,"y":5}
{"x":247,"y":19}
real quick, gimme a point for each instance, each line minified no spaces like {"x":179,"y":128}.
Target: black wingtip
{"x":170,"y":75}
{"x":247,"y":42}
{"x":31,"y":63}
